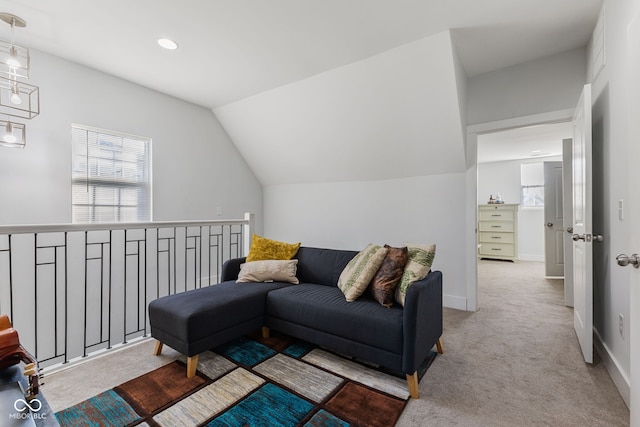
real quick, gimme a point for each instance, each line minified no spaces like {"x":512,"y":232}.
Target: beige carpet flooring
{"x":515,"y":362}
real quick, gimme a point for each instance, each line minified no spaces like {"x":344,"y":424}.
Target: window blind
{"x":111,"y":177}
{"x":532,"y":184}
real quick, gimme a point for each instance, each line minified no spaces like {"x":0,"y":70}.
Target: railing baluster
{"x":10,"y":280}
{"x":66,"y":297}
{"x":35,"y":296}
{"x":145,"y":282}
{"x":109,"y":284}
{"x":102,"y":290}
{"x":124,"y":287}
{"x":55,"y":300}
{"x":86,"y":268}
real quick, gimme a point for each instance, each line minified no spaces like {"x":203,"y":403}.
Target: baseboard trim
{"x":620,"y":379}
{"x":528,"y":257}
{"x":452,"y":301}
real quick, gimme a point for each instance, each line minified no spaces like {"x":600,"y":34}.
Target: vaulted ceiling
{"x":315,"y":90}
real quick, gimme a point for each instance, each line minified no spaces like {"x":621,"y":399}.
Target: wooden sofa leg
{"x":439,"y":346}
{"x":158,"y":349}
{"x":192,"y":365}
{"x":412,"y":381}
{"x":265,"y":332}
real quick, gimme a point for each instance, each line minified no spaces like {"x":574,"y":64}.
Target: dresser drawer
{"x":488,"y":237}
{"x":496,"y":226}
{"x":492,"y":214}
{"x":497,"y":249}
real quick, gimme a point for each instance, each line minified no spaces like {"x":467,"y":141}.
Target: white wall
{"x":611,"y":183}
{"x":196,"y":167}
{"x":504,"y":177}
{"x":349,"y":215}
{"x":393,"y":115}
{"x":548,"y":84}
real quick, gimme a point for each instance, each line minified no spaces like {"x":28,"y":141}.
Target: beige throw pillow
{"x":417,"y":267}
{"x":358,"y":273}
{"x":269,"y":271}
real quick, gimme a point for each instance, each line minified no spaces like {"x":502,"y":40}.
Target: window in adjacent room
{"x":532,"y":184}
{"x":111,"y":177}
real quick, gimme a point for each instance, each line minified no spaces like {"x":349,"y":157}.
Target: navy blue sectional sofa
{"x":398,"y":338}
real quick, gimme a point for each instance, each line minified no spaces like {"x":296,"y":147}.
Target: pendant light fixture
{"x":12,"y":134}
{"x":15,"y":94}
{"x":14,"y":59}
{"x":17,"y":98}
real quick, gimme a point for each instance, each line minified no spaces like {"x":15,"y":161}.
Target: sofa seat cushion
{"x":202,"y":312}
{"x":324,"y":308}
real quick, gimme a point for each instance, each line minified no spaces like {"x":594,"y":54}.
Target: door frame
{"x":633,"y":328}
{"x":473,"y":131}
{"x":567,"y":195}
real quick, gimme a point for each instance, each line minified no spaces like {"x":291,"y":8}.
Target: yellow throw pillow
{"x":264,"y":249}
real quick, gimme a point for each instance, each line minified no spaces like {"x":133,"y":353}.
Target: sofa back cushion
{"x":322,"y":266}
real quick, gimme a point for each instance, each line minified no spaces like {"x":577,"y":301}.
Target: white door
{"x":582,"y":232}
{"x":553,"y":220}
{"x":633,"y":213}
{"x":567,"y":200}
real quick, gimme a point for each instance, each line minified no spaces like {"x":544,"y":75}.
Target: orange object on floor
{"x":12,"y":353}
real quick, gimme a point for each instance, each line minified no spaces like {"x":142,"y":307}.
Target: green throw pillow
{"x":417,"y":267}
{"x":358,"y":273}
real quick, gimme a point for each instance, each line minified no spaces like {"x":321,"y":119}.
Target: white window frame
{"x":88,"y":160}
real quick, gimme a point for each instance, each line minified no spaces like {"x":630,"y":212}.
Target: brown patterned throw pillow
{"x":384,"y":283}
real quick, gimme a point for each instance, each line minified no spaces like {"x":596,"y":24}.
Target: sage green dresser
{"x":498,"y":231}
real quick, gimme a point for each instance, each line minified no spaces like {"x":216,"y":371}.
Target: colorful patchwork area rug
{"x":277,"y":381}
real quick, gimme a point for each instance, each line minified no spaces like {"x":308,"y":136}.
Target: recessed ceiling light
{"x":168,"y":44}
{"x":536,"y":151}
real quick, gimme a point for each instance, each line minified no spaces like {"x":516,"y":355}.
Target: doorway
{"x":506,"y":145}
{"x":513,"y":165}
